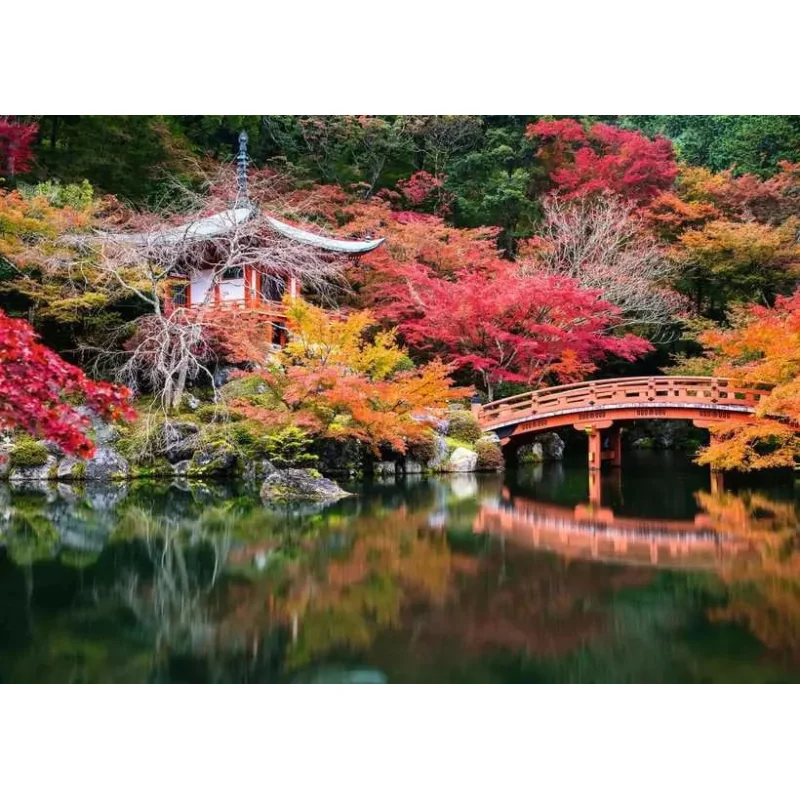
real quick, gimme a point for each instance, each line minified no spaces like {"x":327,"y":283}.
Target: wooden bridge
{"x":596,"y":406}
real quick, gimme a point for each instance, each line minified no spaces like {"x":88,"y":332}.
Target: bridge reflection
{"x":596,"y":533}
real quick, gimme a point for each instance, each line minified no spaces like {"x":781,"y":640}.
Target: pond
{"x":474,"y":578}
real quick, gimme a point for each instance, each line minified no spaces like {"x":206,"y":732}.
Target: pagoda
{"x":203,"y":275}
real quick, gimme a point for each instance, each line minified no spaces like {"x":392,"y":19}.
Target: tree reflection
{"x":763,"y":592}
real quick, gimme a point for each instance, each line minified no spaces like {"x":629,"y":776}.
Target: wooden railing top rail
{"x":656,"y":390}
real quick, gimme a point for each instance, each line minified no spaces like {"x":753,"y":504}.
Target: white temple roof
{"x":324,"y":242}
{"x":226,"y":221}
{"x":206,"y":228}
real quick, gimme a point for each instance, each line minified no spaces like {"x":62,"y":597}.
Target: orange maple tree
{"x":337,"y":379}
{"x":761,"y":347}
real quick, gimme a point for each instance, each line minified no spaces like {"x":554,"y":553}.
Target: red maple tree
{"x":16,"y":139}
{"x":501,"y":326}
{"x":604,"y":159}
{"x":37,"y":385}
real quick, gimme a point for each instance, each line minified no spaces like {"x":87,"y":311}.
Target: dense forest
{"x":520,"y":251}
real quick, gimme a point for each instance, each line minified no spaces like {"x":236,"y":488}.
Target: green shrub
{"x":405,"y":364}
{"x":28,"y":453}
{"x":464,"y":427}
{"x":490,"y":456}
{"x":288,"y":447}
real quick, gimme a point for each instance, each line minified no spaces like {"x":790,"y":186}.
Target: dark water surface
{"x":469,"y":578}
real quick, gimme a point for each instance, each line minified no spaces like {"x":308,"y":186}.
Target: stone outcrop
{"x":42,"y":472}
{"x":297,"y":485}
{"x":212,"y":459}
{"x":462,"y":460}
{"x":105,"y":465}
{"x":177,"y":441}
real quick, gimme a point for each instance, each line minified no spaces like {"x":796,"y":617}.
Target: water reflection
{"x":472,"y":578}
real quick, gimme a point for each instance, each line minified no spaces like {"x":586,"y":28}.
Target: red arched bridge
{"x":596,"y":406}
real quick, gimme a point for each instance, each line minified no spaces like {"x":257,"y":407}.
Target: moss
{"x":28,"y":453}
{"x":453,"y":443}
{"x":79,"y":471}
{"x":464,"y":427}
{"x":216,"y":412}
{"x":152,"y":468}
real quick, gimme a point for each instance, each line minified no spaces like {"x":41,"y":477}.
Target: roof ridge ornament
{"x":242,"y":200}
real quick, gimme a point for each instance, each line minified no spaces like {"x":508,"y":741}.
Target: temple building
{"x":199,"y":255}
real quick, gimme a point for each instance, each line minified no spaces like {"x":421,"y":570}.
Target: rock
{"x":531,"y":453}
{"x":290,"y":485}
{"x":341,"y":457}
{"x":106,"y":465}
{"x":192,"y":402}
{"x":441,"y":450}
{"x":552,"y":446}
{"x":44,"y":472}
{"x":222,"y":375}
{"x":490,"y":437}
{"x":462,"y":460}
{"x":103,"y":432}
{"x":181,"y":469}
{"x":177,"y":441}
{"x":71,"y":469}
{"x":52,"y":448}
{"x":217,"y":458}
{"x":384,"y":469}
{"x":411,"y":467}
{"x":5,"y":461}
{"x":259,"y":470}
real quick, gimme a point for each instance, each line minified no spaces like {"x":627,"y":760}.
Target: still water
{"x":469,"y":578}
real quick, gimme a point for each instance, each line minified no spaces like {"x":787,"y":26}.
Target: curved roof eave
{"x":206,"y":228}
{"x":323,"y":242}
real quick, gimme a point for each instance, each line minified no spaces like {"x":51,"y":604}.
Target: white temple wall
{"x":201,"y":283}
{"x":232,"y":289}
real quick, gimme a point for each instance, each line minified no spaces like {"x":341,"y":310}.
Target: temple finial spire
{"x":241,"y":171}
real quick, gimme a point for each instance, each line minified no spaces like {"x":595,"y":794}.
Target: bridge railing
{"x":590,"y":394}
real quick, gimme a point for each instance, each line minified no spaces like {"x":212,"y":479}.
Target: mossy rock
{"x":152,"y":468}
{"x":28,"y":453}
{"x":213,"y":458}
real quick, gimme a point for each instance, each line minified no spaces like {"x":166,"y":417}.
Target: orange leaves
{"x":338,"y":380}
{"x":763,"y":346}
{"x":764,"y":444}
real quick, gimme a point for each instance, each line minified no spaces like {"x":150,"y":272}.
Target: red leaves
{"x":35,"y":385}
{"x":505,"y":327}
{"x":605,"y":159}
{"x":15,"y":146}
